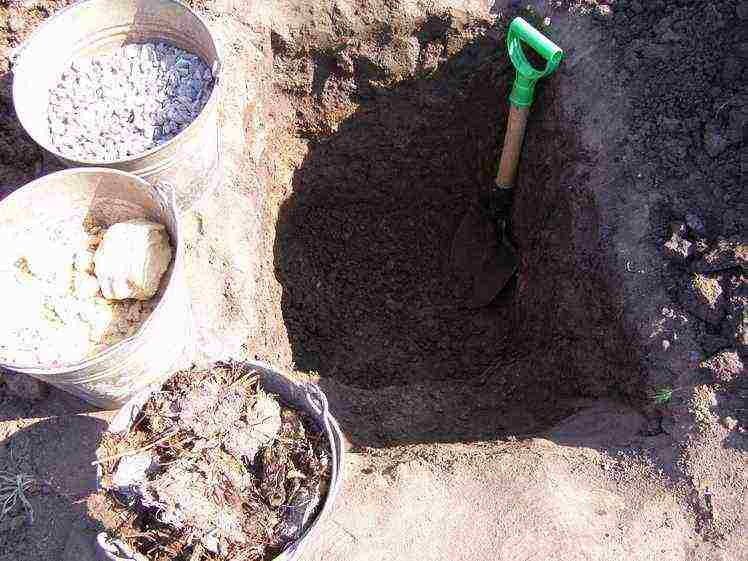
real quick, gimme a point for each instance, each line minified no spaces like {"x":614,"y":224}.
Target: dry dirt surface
{"x":356,"y":136}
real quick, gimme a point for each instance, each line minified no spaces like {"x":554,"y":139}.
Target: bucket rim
{"x":67,"y":368}
{"x":212,"y":99}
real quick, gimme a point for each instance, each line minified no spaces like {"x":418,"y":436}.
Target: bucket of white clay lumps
{"x":225,"y":463}
{"x":92,"y":288}
{"x":129,"y":85}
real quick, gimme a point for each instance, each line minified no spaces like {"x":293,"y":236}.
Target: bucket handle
{"x":167,"y":191}
{"x":318,"y":402}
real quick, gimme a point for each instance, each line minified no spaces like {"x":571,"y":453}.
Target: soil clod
{"x":724,"y":366}
{"x":703,"y":296}
{"x":678,"y":249}
{"x":727,"y":254}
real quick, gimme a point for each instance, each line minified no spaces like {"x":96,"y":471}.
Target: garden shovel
{"x":481,"y":246}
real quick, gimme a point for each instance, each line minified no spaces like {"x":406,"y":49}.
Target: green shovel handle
{"x":524,"y":82}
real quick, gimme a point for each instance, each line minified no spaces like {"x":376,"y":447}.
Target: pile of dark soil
{"x":213,"y":469}
{"x":682,"y":166}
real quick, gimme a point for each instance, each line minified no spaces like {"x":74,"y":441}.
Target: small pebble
{"x":695,"y":224}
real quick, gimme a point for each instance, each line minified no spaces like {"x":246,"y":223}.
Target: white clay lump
{"x":131,"y":260}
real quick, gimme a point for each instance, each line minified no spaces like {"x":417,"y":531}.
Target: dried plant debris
{"x":214,"y":468}
{"x":14,"y":488}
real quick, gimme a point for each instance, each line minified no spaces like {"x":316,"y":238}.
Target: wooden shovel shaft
{"x":515,"y":134}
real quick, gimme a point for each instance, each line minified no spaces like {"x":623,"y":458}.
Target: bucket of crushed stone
{"x":163,"y":342}
{"x":190,"y":160}
{"x":306,"y":397}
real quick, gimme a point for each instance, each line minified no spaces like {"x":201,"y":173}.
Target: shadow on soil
{"x":54,"y":444}
{"x":372,"y":303}
{"x":21,"y":159}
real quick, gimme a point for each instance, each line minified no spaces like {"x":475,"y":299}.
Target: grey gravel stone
{"x":127,"y":101}
{"x":695,"y":224}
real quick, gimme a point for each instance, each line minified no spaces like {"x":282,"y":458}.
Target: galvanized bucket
{"x":305,"y":397}
{"x":190,"y":160}
{"x":163,"y":343}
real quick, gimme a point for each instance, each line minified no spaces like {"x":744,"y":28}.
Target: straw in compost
{"x":213,"y":469}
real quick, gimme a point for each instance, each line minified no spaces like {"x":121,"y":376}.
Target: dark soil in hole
{"x":363,"y":247}
{"x":364,"y":243}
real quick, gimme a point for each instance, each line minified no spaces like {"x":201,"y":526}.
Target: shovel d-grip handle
{"x":527,"y":75}
{"x":522,"y":94}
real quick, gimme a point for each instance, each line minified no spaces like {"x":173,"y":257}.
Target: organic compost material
{"x":214,"y":468}
{"x":55,"y":308}
{"x":122,"y":103}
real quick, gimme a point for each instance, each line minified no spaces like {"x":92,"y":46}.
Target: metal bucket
{"x":305,"y":397}
{"x":190,"y":160}
{"x":163,"y":343}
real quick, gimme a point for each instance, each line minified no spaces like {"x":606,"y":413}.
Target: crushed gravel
{"x":127,"y":101}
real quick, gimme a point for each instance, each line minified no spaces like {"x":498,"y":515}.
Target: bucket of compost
{"x":231,"y":462}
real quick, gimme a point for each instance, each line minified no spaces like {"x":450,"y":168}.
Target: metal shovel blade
{"x":478,"y":255}
{"x":497,"y":271}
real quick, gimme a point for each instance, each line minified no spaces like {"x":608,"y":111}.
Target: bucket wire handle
{"x":317,"y":401}
{"x":166,"y":191}
{"x":322,"y":408}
